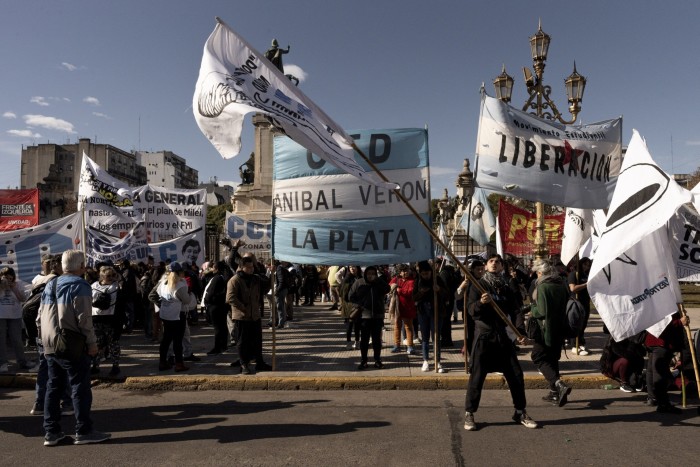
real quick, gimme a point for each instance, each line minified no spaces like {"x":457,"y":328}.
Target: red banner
{"x":517,"y":228}
{"x":19,"y":209}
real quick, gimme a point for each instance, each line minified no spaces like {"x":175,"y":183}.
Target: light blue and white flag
{"x":22,"y":249}
{"x":479,"y":218}
{"x":324,"y":216}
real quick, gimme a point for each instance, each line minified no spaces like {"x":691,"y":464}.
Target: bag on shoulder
{"x":534,"y":330}
{"x":103,"y":301}
{"x":70,"y":345}
{"x":574,"y":318}
{"x":355,"y":312}
{"x":30,"y":308}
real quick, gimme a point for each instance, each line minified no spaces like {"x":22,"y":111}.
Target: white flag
{"x":235,"y":79}
{"x":632,"y":280}
{"x":696,"y":197}
{"x":479,"y":218}
{"x":578,"y":228}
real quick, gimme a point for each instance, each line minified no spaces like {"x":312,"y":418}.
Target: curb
{"x":301,"y":383}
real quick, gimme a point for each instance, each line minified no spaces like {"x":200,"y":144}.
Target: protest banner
{"x":19,"y":209}
{"x":114,"y":208}
{"x":324,"y":216}
{"x":22,"y":249}
{"x":526,"y":157}
{"x":256,"y":235}
{"x":517,"y":230}
{"x":685,"y":231}
{"x":185,"y":249}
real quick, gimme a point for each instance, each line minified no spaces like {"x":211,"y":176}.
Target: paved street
{"x":387,"y":428}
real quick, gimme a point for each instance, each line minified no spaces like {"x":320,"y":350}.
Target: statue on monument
{"x":247,"y":170}
{"x":274,"y":54}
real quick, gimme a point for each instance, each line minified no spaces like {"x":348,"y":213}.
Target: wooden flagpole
{"x":694,"y":357}
{"x":435,"y":237}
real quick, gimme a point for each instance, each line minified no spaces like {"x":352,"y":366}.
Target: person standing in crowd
{"x":424,"y":292}
{"x":67,"y":304}
{"x":217,"y":308}
{"x":661,"y":350}
{"x":42,"y":375}
{"x":107,"y":326}
{"x":11,"y":298}
{"x":244,"y":292}
{"x":128,"y":293}
{"x":281,"y":276}
{"x":309,"y":284}
{"x":402,"y":287}
{"x":548,"y":307}
{"x":493,"y":350}
{"x":174,"y":297}
{"x":369,"y":294}
{"x":450,"y":278}
{"x":334,"y":287}
{"x":578,"y":285}
{"x":476,"y":268}
{"x":347,"y":276}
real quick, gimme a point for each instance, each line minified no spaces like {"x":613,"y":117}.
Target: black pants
{"x":249,"y":341}
{"x":351,"y":324}
{"x":493,"y":352}
{"x":218,"y":315}
{"x":173,"y":331}
{"x":659,"y":374}
{"x":371,"y":327}
{"x":546,"y":359}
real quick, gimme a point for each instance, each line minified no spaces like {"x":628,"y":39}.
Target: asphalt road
{"x":329,"y":428}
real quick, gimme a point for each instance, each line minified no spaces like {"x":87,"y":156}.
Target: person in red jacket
{"x":661,"y":351}
{"x":402,"y":288}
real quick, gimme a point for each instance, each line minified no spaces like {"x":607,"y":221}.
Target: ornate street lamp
{"x":541,"y":105}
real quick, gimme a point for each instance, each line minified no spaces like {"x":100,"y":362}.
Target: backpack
{"x":574,"y":318}
{"x":30,"y":308}
{"x":103,"y":301}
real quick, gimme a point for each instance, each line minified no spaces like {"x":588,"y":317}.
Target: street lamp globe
{"x":504,"y":86}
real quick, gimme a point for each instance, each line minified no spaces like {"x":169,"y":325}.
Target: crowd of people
{"x":505,"y":305}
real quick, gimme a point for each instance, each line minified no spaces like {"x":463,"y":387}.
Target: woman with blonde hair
{"x":11,"y":298}
{"x":107,"y":325}
{"x":175,"y":297}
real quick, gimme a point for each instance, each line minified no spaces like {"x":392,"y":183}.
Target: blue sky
{"x":94,"y":69}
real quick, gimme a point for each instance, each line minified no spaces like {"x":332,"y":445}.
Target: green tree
{"x":217,"y":215}
{"x":694,"y":179}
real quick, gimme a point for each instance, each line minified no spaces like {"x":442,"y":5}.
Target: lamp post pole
{"x":541,"y":105}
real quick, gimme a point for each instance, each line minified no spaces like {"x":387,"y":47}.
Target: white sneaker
{"x":583,"y":351}
{"x":469,"y":424}
{"x":4,"y":368}
{"x":441,"y":369}
{"x":404,"y":342}
{"x":426,"y":366}
{"x":574,"y":349}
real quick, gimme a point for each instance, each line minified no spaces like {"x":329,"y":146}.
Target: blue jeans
{"x":427,"y":330}
{"x":77,"y":375}
{"x":42,"y":377}
{"x":280,"y":301}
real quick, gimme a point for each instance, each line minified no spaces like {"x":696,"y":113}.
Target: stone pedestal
{"x":253,"y":201}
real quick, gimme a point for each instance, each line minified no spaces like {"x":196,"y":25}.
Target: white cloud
{"x":9,"y":115}
{"x":61,"y":99}
{"x":296,"y":71}
{"x":24,"y":133}
{"x":50,"y":123}
{"x":101,"y":115}
{"x":69,"y":66}
{"x":39,"y":101}
{"x":91,"y":100}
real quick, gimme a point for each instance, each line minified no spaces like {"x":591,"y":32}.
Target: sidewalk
{"x":312,"y":354}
